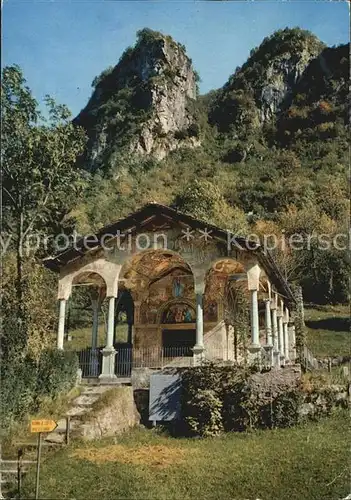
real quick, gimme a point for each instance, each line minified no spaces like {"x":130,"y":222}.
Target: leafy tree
{"x":204,"y":200}
{"x":40,"y":181}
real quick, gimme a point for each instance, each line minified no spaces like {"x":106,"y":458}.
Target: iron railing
{"x":128,"y":357}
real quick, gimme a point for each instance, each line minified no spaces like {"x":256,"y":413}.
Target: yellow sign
{"x":42,"y":425}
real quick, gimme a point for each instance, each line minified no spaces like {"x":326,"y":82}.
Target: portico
{"x":181,"y":275}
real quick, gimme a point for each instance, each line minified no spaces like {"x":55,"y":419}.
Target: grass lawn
{"x":328,"y":330}
{"x":308,"y":462}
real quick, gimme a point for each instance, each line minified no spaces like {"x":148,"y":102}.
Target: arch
{"x":147,"y":266}
{"x":181,"y":304}
{"x":124,"y":317}
{"x":227,"y":265}
{"x":265,"y":285}
{"x":108,"y":271}
{"x":89,"y":278}
{"x":217,"y":276}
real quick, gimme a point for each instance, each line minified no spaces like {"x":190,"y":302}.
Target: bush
{"x":17,"y":391}
{"x":285,"y":409}
{"x":205,"y":418}
{"x":57,"y":372}
{"x":217,"y":398}
{"x":24,"y":383}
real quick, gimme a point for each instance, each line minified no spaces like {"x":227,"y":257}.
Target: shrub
{"x":57,"y":372}
{"x":217,"y":398}
{"x":205,"y":413}
{"x":17,"y":391}
{"x":25,"y":383}
{"x":285,"y":409}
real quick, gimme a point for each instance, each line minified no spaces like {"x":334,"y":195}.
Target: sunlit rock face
{"x":266,"y":82}
{"x":282,"y":74}
{"x":143,"y":104}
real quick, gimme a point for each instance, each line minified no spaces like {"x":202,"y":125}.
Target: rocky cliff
{"x":266,"y":82}
{"x":147,"y":105}
{"x":144,"y":104}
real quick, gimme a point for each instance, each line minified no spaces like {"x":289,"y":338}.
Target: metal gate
{"x":90,"y":362}
{"x":123,"y":360}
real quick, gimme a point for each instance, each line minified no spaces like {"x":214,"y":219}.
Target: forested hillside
{"x":266,"y":153}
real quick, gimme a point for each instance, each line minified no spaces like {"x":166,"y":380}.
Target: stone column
{"x":199,"y":281}
{"x":199,"y":320}
{"x":280,"y":335}
{"x":275,"y":332}
{"x":268,"y":326}
{"x":137,"y":304}
{"x":292,"y":336}
{"x":255,"y":331}
{"x":199,"y":348}
{"x":268,"y":323}
{"x":253,"y":282}
{"x":108,"y":352}
{"x":110,"y":321}
{"x":94,"y":364}
{"x":286,"y":334}
{"x":61,"y":324}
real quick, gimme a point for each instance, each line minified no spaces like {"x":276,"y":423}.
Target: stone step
{"x":55,"y":437}
{"x":95,"y":382}
{"x":77,"y":411}
{"x":85,"y":399}
{"x":62,"y":425}
{"x":95,"y":390}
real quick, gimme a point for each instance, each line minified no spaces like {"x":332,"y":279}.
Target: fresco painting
{"x":178,"y":313}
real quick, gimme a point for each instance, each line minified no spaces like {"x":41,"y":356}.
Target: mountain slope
{"x":265,"y":83}
{"x":143,"y":105}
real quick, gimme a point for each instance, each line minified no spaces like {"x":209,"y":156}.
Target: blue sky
{"x":62,"y":45}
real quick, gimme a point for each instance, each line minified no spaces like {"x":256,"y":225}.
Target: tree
{"x":203,"y":199}
{"x":40,"y":181}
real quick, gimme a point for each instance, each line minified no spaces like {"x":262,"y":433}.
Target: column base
{"x":276,"y":358}
{"x":269,"y":361}
{"x":255,"y":355}
{"x":292,"y":355}
{"x":282,"y":360}
{"x":198,"y":354}
{"x":108,"y":365}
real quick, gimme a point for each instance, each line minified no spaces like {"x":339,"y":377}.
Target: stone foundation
{"x":114,"y":413}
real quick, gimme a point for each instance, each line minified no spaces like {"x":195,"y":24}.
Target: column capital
{"x":280,"y":313}
{"x":253,"y":276}
{"x":199,"y":274}
{"x":286,"y":315}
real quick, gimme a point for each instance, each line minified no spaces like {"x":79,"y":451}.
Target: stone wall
{"x":215,"y":341}
{"x":113,"y":413}
{"x":149,"y":336}
{"x":274,"y":382}
{"x":140,"y":377}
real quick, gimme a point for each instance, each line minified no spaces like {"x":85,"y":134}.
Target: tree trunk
{"x":19,"y":262}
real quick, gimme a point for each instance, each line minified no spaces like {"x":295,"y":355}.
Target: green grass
{"x":49,"y":409}
{"x":328,"y":330}
{"x":306,"y":462}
